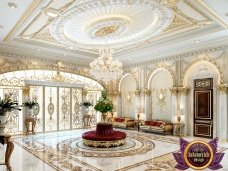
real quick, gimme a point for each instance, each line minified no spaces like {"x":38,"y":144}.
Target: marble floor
{"x":64,"y":151}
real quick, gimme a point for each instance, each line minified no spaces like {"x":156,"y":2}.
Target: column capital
{"x":25,"y":90}
{"x":137,"y":92}
{"x":84,"y":92}
{"x":146,"y":92}
{"x":223,"y":88}
{"x":179,"y":90}
{"x":114,"y":93}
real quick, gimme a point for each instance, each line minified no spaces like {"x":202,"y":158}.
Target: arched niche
{"x":160,"y":103}
{"x":128,"y":99}
{"x":199,"y":70}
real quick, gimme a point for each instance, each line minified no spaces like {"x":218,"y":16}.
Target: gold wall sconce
{"x":161,"y":97}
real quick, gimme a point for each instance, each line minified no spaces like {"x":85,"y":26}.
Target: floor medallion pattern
{"x":134,"y":145}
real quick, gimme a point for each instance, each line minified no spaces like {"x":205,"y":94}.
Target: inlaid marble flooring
{"x":65,"y":151}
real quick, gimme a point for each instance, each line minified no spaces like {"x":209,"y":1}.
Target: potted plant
{"x":6,"y":105}
{"x":30,"y":104}
{"x":104,"y":105}
{"x":86,"y":105}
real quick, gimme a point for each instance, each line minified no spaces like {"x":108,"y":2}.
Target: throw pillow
{"x":147,"y":122}
{"x":158,"y":124}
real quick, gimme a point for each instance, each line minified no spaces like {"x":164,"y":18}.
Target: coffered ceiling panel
{"x":137,"y":30}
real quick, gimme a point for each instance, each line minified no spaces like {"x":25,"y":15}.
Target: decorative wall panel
{"x":36,"y":94}
{"x":64,"y":108}
{"x":76,"y":108}
{"x":51,"y":108}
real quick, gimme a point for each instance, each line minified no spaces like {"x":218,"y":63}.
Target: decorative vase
{"x":30,"y":112}
{"x":103,"y":117}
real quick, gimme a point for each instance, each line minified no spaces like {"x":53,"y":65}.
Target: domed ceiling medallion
{"x":91,"y":24}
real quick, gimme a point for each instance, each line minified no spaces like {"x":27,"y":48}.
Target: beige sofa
{"x":157,"y":126}
{"x":122,"y":122}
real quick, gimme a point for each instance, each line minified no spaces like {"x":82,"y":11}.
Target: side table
{"x":27,"y":125}
{"x":86,"y":121}
{"x":138,"y":123}
{"x":178,"y":129}
{"x":5,"y":139}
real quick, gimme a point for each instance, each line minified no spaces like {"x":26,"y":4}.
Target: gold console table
{"x":5,"y":139}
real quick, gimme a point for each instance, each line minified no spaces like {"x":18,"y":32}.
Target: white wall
{"x":161,"y":80}
{"x":128,"y":86}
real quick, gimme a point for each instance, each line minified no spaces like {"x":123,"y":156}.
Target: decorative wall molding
{"x":209,"y":59}
{"x":160,"y":66}
{"x":177,"y":57}
{"x":119,"y":81}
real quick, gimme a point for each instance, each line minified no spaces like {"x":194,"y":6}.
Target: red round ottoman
{"x":104,"y":136}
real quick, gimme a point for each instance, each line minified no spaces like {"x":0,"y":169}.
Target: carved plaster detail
{"x":179,"y":90}
{"x":146,"y":92}
{"x":223,"y":88}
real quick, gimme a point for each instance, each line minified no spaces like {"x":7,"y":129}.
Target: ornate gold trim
{"x":146,"y":92}
{"x":179,"y":90}
{"x":106,"y":144}
{"x":25,"y":90}
{"x":28,"y":12}
{"x":137,"y":92}
{"x":223,"y":88}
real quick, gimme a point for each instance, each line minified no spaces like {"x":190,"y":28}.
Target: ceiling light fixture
{"x":196,"y":41}
{"x":52,"y":12}
{"x":12,"y":5}
{"x":105,"y":68}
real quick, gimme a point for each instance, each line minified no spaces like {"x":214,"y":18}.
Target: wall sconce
{"x":161,"y":96}
{"x":129,"y":97}
{"x":179,"y":114}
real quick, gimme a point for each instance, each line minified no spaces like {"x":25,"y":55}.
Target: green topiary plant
{"x":104,"y":105}
{"x":7,"y":105}
{"x":30,"y":104}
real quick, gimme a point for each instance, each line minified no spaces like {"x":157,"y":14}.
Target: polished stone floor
{"x":65,"y":151}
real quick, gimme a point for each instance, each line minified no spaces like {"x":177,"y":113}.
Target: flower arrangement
{"x":30,"y":104}
{"x":7,"y":105}
{"x":104,"y":105}
{"x":87,"y":104}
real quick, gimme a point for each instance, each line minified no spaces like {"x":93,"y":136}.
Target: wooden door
{"x":203,"y":108}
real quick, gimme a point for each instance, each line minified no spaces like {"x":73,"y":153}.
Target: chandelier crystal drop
{"x":105,"y":68}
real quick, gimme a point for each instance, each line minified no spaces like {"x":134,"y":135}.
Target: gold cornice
{"x":223,"y":88}
{"x":27,"y":13}
{"x":84,"y":92}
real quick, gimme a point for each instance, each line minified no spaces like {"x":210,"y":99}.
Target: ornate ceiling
{"x":138,"y":30}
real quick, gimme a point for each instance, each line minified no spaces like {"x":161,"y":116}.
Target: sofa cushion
{"x":153,"y":123}
{"x":147,"y":122}
{"x":158,"y":124}
{"x":119,"y":119}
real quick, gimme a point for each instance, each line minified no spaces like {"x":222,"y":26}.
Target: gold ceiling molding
{"x":27,"y":13}
{"x":46,"y":36}
{"x":177,"y":57}
{"x":215,"y":15}
{"x":25,"y":90}
{"x":178,"y":22}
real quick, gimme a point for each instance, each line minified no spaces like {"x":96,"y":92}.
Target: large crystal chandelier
{"x":105,"y":68}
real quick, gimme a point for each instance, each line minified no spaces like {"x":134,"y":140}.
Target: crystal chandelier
{"x":105,"y":68}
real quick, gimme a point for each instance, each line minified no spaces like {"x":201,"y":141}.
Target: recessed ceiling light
{"x":25,"y":37}
{"x":52,"y":12}
{"x":130,"y":58}
{"x":12,"y":5}
{"x":157,"y":51}
{"x":196,"y":41}
{"x":70,"y":47}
